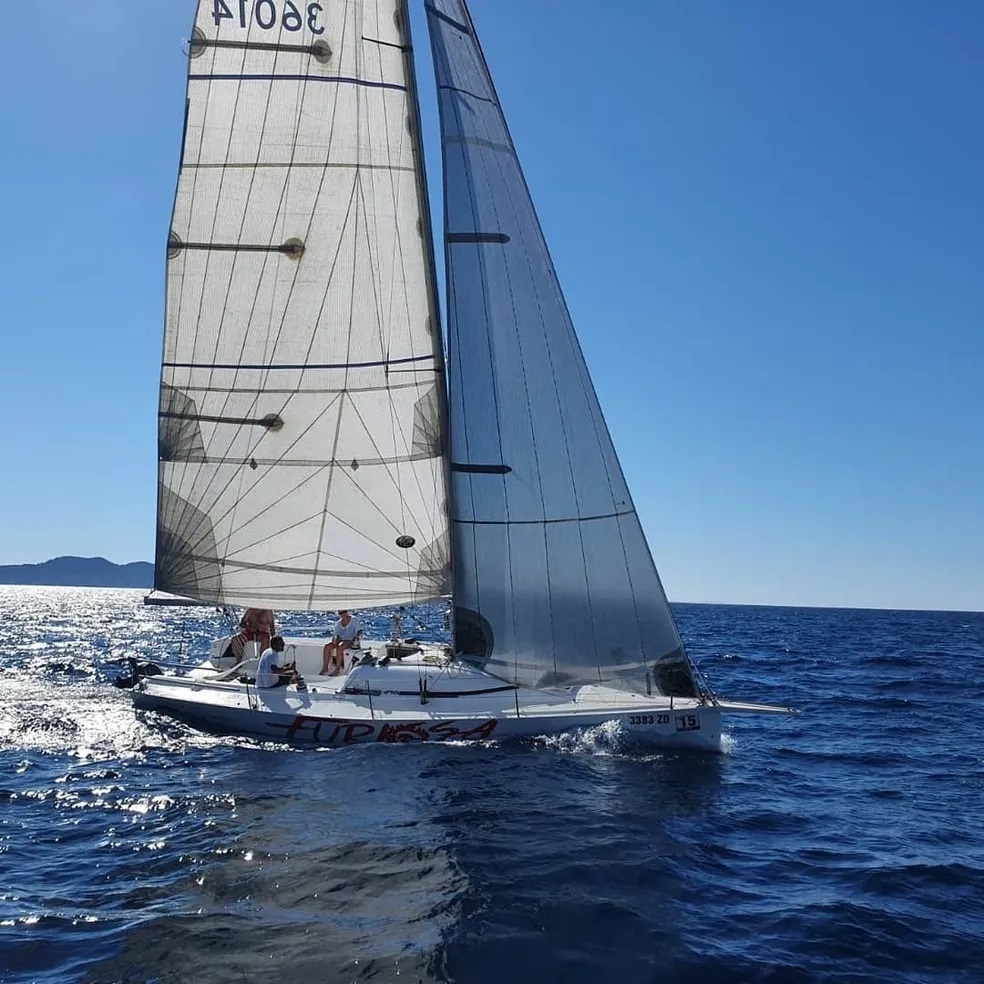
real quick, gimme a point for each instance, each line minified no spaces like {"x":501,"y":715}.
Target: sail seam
{"x":465,"y":92}
{"x":313,"y":164}
{"x":258,"y":77}
{"x":542,"y":522}
{"x":298,"y":365}
{"x":328,"y":390}
{"x":440,"y":15}
{"x":301,"y":462}
{"x":314,"y":571}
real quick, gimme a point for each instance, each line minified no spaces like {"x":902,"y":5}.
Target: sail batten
{"x":300,"y":445}
{"x":553,"y":580}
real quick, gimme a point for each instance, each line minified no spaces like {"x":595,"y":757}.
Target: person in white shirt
{"x":346,"y":634}
{"x":269,"y":672}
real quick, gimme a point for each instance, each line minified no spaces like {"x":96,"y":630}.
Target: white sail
{"x":302,"y":406}
{"x":553,"y":579}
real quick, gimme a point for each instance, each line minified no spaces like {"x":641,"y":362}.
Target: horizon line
{"x":718,"y":604}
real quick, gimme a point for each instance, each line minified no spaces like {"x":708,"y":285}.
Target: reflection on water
{"x":223,"y":852}
{"x":586,"y":845}
{"x":821,"y":849}
{"x":329,"y":864}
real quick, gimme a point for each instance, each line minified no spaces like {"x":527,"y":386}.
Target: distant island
{"x":84,"y":572}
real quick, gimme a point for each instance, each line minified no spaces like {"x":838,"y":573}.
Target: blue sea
{"x":846,"y":844}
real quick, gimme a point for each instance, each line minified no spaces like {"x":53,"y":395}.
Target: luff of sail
{"x":553,"y":580}
{"x":302,"y":404}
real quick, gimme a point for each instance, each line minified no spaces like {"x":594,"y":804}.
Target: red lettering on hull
{"x":332,"y":731}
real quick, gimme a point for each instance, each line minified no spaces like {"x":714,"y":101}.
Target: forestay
{"x":302,"y":406}
{"x":553,"y":580}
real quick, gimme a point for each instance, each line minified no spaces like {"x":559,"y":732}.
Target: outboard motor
{"x":137,"y":671}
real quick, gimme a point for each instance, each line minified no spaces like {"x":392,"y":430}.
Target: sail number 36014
{"x":270,"y":14}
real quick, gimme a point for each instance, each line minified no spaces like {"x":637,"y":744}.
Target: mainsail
{"x":553,"y":579}
{"x":302,"y":398}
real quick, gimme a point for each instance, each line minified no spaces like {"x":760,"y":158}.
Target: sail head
{"x":301,"y":437}
{"x":554,"y":584}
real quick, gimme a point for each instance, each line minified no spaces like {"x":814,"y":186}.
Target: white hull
{"x":424,"y":697}
{"x":322,"y":719}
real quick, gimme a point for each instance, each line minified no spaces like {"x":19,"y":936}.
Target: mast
{"x":416,"y":131}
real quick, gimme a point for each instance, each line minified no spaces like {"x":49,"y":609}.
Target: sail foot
{"x":674,"y":676}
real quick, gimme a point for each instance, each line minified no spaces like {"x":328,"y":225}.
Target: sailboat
{"x":317,"y":449}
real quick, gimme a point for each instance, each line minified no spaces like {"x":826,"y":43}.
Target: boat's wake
{"x":607,"y":738}
{"x":611,"y":739}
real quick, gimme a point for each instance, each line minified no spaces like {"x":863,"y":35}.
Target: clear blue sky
{"x":767,"y":216}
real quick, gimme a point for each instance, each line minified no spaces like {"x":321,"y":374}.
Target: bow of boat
{"x":748,"y":707}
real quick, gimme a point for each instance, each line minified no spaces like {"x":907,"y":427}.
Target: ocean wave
{"x":841,"y":845}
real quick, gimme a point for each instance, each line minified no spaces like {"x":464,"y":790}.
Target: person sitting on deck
{"x":258,"y":625}
{"x":269,"y":673}
{"x":346,"y":634}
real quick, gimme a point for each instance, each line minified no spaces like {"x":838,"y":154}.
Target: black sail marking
{"x":477,"y":237}
{"x":476,"y":469}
